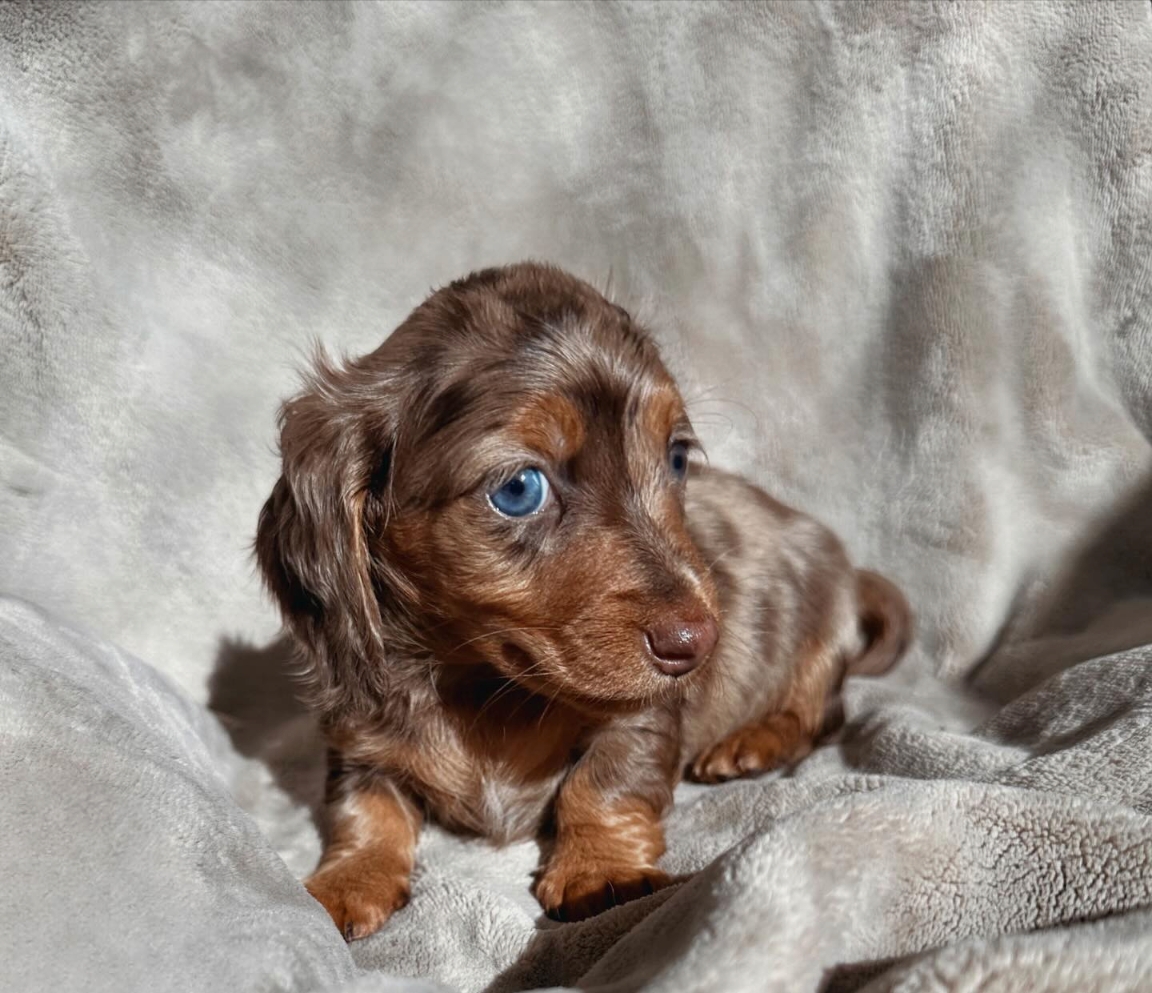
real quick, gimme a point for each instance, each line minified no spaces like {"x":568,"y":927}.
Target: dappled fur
{"x":493,"y":673}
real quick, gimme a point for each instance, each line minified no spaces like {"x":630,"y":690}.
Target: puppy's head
{"x":500,"y":483}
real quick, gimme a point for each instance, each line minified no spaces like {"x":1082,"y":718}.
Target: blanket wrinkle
{"x":899,"y":256}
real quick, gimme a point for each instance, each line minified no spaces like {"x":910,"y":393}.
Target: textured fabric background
{"x":900,"y":257}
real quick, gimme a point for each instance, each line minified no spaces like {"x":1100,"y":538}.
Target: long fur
{"x":501,"y":675}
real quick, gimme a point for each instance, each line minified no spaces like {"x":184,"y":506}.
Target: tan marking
{"x":363,"y":877}
{"x":551,"y":426}
{"x":602,"y":856}
{"x":661,"y":411}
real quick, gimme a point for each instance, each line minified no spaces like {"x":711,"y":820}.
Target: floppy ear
{"x":311,"y":542}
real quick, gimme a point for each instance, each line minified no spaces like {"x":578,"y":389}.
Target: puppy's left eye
{"x":522,"y":495}
{"x":678,"y":459}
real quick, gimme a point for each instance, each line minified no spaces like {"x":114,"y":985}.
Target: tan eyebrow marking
{"x":662,"y":411}
{"x":552,"y":426}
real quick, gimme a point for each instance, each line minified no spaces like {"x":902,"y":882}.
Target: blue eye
{"x":523,"y":494}
{"x":678,"y":459}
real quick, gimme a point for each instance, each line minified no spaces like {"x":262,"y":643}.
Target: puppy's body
{"x":555,"y":670}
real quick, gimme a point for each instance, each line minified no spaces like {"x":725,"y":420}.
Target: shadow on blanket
{"x":1099,"y":603}
{"x":1113,"y":566}
{"x":253,"y":694}
{"x":561,"y":956}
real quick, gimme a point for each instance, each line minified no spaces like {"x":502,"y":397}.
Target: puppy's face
{"x":526,"y":508}
{"x":538,"y":512}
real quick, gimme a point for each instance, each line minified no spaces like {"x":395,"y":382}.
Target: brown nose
{"x":678,"y":645}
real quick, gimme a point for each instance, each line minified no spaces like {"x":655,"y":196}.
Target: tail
{"x":885,"y":622}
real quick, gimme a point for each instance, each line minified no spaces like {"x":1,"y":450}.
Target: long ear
{"x":311,"y":543}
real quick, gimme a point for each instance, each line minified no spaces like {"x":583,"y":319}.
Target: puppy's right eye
{"x":522,"y":495}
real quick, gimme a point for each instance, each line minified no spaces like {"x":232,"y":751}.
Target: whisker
{"x":500,"y":631}
{"x":548,"y":706}
{"x":733,"y":403}
{"x":511,"y":684}
{"x":541,"y":665}
{"x":701,"y":393}
{"x":727,"y":551}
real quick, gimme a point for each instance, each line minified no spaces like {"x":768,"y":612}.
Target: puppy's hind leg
{"x":784,"y":735}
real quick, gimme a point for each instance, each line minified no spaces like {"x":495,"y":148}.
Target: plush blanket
{"x":900,"y":256}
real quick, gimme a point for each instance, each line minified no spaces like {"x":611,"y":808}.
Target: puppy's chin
{"x":544,"y":674}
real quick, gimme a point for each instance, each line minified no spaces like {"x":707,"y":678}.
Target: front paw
{"x":572,"y":892}
{"x":358,"y":898}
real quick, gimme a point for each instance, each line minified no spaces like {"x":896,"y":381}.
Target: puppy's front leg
{"x":608,"y":820}
{"x":363,"y":876}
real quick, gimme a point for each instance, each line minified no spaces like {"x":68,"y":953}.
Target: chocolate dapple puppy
{"x":523,"y":605}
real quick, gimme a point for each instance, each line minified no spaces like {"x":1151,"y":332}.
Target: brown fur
{"x":364,"y":875}
{"x":493,"y":672}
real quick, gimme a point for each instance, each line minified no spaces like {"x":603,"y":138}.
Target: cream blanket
{"x":899,"y":254}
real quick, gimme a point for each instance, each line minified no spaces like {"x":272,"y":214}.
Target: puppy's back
{"x":789,"y":598}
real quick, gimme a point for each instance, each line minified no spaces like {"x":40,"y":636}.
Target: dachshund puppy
{"x":526,"y":609}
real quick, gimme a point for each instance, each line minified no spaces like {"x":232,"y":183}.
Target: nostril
{"x":679,"y":646}
{"x":672,"y":641}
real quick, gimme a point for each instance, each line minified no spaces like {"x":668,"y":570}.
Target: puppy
{"x":525,"y":607}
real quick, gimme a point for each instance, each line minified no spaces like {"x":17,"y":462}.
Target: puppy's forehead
{"x":550,"y":424}
{"x":510,"y":357}
{"x":591,"y":378}
{"x":558,"y":424}
{"x":529,"y":405}
{"x":509,"y":375}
